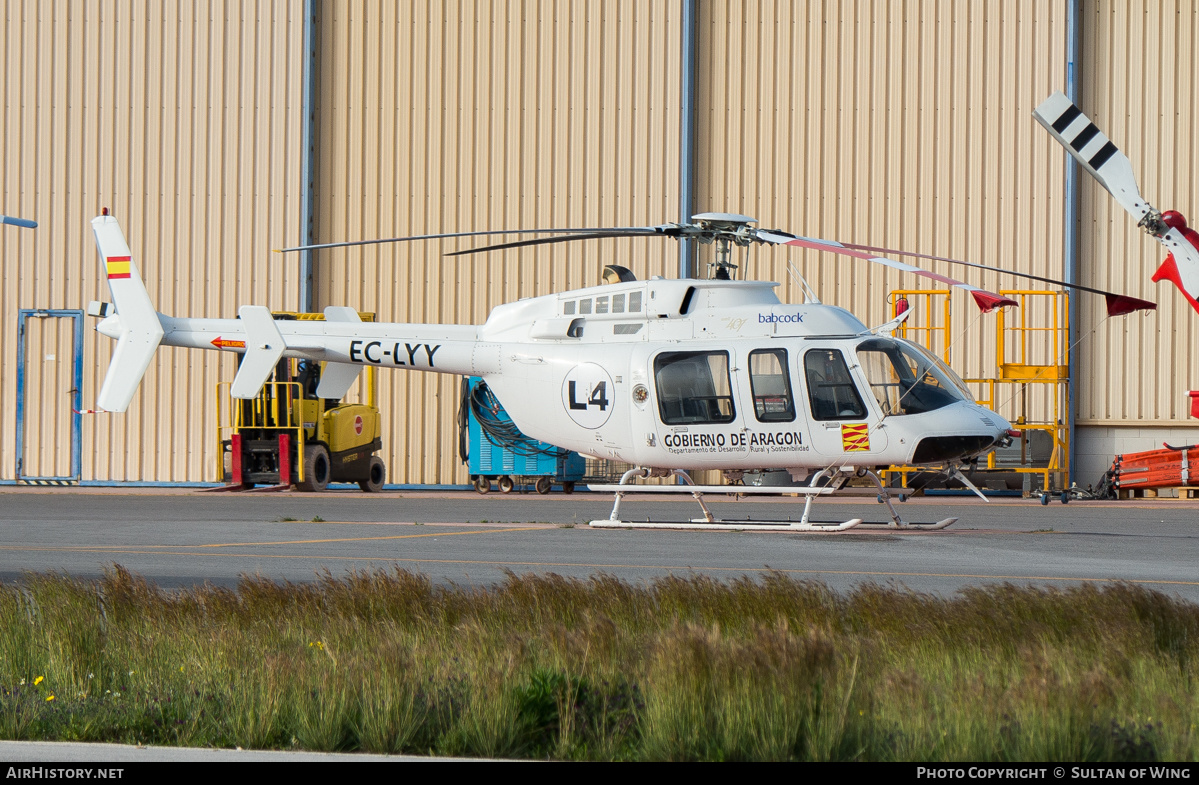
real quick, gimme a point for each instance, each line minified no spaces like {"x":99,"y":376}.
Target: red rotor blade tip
{"x":1121,"y":304}
{"x":988,"y":301}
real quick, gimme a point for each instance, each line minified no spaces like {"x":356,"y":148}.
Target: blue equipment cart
{"x":493,"y":448}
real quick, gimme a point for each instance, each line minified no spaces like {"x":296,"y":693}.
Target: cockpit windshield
{"x":906,"y":379}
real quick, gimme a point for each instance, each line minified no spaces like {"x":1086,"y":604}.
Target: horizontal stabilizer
{"x":341,"y":313}
{"x":338,"y":378}
{"x":264,"y":347}
{"x":1091,"y":148}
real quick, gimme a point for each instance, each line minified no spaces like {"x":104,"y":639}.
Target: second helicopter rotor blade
{"x":1117,"y":304}
{"x":451,"y":235}
{"x":1098,"y":154}
{"x":985,"y":300}
{"x":631,"y":232}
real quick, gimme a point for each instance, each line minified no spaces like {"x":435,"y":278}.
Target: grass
{"x":599,"y":669}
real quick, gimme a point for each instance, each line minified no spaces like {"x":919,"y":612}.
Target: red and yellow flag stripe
{"x":855,"y":437}
{"x":118,"y":266}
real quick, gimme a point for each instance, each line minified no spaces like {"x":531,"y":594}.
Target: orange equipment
{"x":1172,"y":467}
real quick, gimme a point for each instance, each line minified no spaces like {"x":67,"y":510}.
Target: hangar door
{"x":49,"y":378}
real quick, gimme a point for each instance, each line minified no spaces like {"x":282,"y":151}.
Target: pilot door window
{"x":831,"y":389}
{"x":771,"y":388}
{"x":694,"y":388}
{"x":906,"y":380}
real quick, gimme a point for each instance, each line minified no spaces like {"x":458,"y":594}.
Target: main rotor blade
{"x":445,"y":236}
{"x":1117,"y":304}
{"x":647,"y":231}
{"x":25,"y":222}
{"x":986,"y":301}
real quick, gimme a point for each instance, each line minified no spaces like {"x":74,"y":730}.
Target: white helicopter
{"x":668,"y":375}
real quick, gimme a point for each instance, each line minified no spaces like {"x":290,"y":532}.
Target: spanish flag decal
{"x":118,"y":267}
{"x":855,"y":437}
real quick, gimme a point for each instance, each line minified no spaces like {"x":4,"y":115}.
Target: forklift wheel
{"x":374,"y":483}
{"x":1044,"y":498}
{"x":482,"y":484}
{"x":506,"y":484}
{"x":568,"y":487}
{"x":316,"y":468}
{"x":543,"y":485}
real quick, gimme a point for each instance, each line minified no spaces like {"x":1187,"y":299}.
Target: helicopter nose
{"x":1003,"y":430}
{"x":969,"y":431}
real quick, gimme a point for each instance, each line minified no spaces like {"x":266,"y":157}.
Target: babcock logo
{"x":780,"y":318}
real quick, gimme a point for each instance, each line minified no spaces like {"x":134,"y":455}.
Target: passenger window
{"x":770,"y":385}
{"x":831,"y":390}
{"x":601,"y":304}
{"x":584,"y":306}
{"x":618,"y":303}
{"x":568,"y":308}
{"x":693,"y":387}
{"x":634,"y":302}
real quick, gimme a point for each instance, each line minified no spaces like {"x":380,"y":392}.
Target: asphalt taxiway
{"x":182,"y":537}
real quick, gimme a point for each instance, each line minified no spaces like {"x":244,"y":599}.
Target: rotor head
{"x":726,"y":227}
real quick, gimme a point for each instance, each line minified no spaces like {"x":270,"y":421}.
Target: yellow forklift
{"x":288,"y":436}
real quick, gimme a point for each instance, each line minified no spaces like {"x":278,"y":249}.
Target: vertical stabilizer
{"x":137,"y":329}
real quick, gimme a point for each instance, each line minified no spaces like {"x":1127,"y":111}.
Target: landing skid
{"x":837,"y":478}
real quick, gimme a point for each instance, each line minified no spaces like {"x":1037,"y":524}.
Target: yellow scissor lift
{"x":1031,"y":388}
{"x":287,"y":436}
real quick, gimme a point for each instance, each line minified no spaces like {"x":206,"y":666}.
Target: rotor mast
{"x":726,"y":230}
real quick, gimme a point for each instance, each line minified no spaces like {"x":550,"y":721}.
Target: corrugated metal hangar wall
{"x":898,"y":124}
{"x":183,"y":119}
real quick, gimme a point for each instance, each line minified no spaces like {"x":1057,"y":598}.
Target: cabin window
{"x":618,"y":303}
{"x":907,"y":380}
{"x":831,"y":390}
{"x":694,"y":388}
{"x":585,"y":306}
{"x":568,"y":308}
{"x":770,"y":385}
{"x":601,"y":304}
{"x":634,"y":302}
